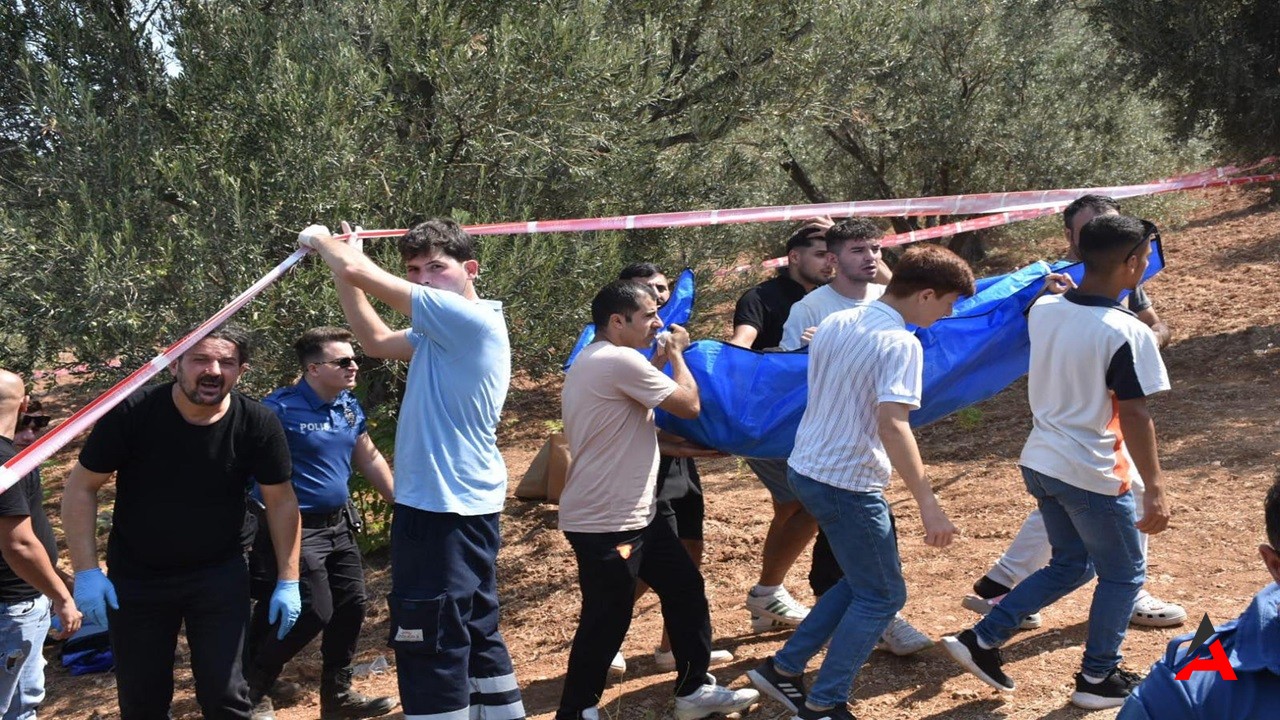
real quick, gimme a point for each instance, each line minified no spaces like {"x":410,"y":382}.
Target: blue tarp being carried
{"x":677,"y":310}
{"x":752,"y":401}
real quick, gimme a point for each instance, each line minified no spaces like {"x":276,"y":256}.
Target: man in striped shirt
{"x":865,"y":369}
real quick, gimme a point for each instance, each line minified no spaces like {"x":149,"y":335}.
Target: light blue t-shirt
{"x":447,"y":457}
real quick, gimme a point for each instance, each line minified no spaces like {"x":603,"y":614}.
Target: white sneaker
{"x":764,"y":624}
{"x":666,"y":660}
{"x":1151,"y":611}
{"x":778,"y":606}
{"x":618,"y":666}
{"x":591,"y":713}
{"x":901,"y":639}
{"x":711,"y":699}
{"x":982,"y":606}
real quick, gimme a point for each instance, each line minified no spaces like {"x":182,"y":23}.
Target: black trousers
{"x":333,"y":602}
{"x":213,"y":603}
{"x":608,"y":566}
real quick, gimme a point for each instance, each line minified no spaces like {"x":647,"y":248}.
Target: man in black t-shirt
{"x":29,"y":585}
{"x":758,"y":320}
{"x":184,"y":455}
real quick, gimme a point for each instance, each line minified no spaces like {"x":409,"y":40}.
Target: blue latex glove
{"x":286,"y":606}
{"x":93,"y":593}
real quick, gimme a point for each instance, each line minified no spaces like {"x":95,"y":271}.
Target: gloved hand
{"x":309,"y":235}
{"x":286,"y":606}
{"x":93,"y":593}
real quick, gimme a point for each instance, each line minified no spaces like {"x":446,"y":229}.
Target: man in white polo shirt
{"x":1093,"y":365}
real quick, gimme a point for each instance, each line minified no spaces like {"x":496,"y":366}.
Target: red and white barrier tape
{"x":1005,"y":207}
{"x":44,"y":448}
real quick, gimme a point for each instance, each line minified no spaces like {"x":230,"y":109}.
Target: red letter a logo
{"x":1218,"y":663}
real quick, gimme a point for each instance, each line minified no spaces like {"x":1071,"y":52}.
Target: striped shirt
{"x":858,"y":359}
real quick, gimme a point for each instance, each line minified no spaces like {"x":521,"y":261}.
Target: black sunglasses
{"x":37,"y":422}
{"x":342,"y":362}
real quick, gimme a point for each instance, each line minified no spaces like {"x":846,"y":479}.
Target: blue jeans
{"x":23,"y":628}
{"x":1089,"y":532}
{"x":854,"y":613}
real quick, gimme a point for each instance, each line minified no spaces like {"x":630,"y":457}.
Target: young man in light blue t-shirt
{"x":450,"y":479}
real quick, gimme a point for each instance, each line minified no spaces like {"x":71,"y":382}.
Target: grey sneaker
{"x":902,"y":639}
{"x":712,"y":699}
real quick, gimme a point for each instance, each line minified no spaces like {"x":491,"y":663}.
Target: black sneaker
{"x":984,"y":664}
{"x":986,"y":588}
{"x":1111,"y":692}
{"x":787,"y":690}
{"x":839,"y":712}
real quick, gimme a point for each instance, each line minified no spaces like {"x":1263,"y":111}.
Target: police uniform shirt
{"x":322,"y":436}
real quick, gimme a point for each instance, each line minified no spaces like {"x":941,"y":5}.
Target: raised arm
{"x":354,"y":275}
{"x":684,"y":402}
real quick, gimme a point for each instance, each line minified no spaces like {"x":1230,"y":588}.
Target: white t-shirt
{"x":1087,"y":354}
{"x":858,"y":359}
{"x":607,"y":405}
{"x":813,"y":308}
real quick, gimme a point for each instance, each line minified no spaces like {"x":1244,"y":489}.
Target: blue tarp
{"x":677,"y":310}
{"x":752,"y":401}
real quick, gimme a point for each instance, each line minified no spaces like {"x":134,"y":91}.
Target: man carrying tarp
{"x":1029,"y":550}
{"x":758,"y":320}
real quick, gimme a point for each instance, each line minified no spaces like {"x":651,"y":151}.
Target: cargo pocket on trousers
{"x":415,"y":623}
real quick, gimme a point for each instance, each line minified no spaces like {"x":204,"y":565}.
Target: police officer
{"x":325,"y":428}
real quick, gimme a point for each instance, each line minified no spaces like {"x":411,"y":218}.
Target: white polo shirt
{"x":859,"y":358}
{"x":1087,"y":354}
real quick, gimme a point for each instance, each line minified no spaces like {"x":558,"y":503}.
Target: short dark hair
{"x":437,"y":234}
{"x":1272,"y":511}
{"x":618,"y":297}
{"x":806,"y":235}
{"x":1099,"y":204}
{"x":930,"y":267}
{"x":235,"y":334}
{"x":1107,"y":241}
{"x":310,"y":345}
{"x":858,"y":228}
{"x":639,"y":271}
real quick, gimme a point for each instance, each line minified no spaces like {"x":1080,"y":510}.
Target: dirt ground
{"x":1218,"y":431}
